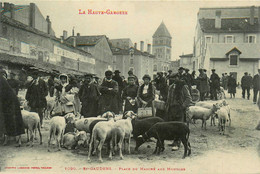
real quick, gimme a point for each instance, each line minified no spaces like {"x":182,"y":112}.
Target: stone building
{"x":98,"y":46}
{"x":161,"y":49}
{"x":228,"y":40}
{"x":125,"y":43}
{"x":140,"y":62}
{"x":31,"y":43}
{"x":186,"y":61}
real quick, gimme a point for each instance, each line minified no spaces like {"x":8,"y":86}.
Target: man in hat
{"x":214,"y":85}
{"x":169,"y":78}
{"x":51,"y":85}
{"x":89,"y":95}
{"x":187,"y":77}
{"x":246,"y":83}
{"x":161,"y":85}
{"x":119,"y":81}
{"x":178,"y":101}
{"x":36,"y":95}
{"x":256,"y":85}
{"x":203,"y":84}
{"x":109,"y":94}
{"x":130,"y":73}
{"x":180,"y":73}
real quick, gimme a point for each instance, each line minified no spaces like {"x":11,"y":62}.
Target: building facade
{"x":125,"y":43}
{"x":186,"y":61}
{"x":26,"y":46}
{"x":139,"y":62}
{"x":228,"y":39}
{"x":162,"y":49}
{"x":99,"y":47}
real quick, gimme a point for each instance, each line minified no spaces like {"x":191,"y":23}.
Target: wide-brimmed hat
{"x":187,"y":70}
{"x":146,"y":76}
{"x":117,"y":72}
{"x":181,"y":68}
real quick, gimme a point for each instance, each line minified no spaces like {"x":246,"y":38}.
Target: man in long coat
{"x":88,"y":95}
{"x":246,"y":83}
{"x":119,"y":81}
{"x":109,"y":91}
{"x":214,"y":85}
{"x":11,"y":122}
{"x":203,"y":84}
{"x":36,"y":95}
{"x":256,"y":85}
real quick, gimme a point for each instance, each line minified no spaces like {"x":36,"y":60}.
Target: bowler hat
{"x":213,"y":70}
{"x":146,"y":76}
{"x":181,"y":68}
{"x":187,"y":70}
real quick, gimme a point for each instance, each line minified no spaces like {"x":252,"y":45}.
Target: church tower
{"x":162,"y":49}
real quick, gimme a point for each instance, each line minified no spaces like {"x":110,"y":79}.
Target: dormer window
{"x":233,"y":60}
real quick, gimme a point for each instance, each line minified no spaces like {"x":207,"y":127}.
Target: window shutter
{"x":246,"y":41}
{"x":225,"y":39}
{"x":234,"y":41}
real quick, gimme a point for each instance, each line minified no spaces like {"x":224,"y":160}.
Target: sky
{"x":140,"y":23}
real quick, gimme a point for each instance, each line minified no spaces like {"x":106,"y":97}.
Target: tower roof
{"x":162,"y":31}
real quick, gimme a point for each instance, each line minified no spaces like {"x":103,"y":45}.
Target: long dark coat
{"x":231,"y":84}
{"x":215,"y":81}
{"x":36,"y":94}
{"x":130,"y":91}
{"x":108,"y":99}
{"x":88,"y":95}
{"x":203,"y":86}
{"x":11,"y":122}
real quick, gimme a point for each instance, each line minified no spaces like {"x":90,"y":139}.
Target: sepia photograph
{"x":130,"y":87}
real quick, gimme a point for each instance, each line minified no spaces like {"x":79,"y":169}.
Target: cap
{"x":213,"y":70}
{"x":146,"y":76}
{"x":187,"y":69}
{"x":181,"y":68}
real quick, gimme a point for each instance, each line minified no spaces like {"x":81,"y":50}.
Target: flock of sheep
{"x":71,"y":131}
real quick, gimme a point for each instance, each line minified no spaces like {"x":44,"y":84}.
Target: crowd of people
{"x":91,"y":96}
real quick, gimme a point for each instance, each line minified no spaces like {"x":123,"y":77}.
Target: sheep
{"x":84,"y":123}
{"x":103,"y":131}
{"x":31,"y":122}
{"x":172,"y":130}
{"x":57,"y":128}
{"x":72,"y":140}
{"x":227,"y":107}
{"x":208,"y":105}
{"x":140,"y":126}
{"x":197,"y":112}
{"x":222,"y":119}
{"x":123,"y":129}
{"x":49,"y":108}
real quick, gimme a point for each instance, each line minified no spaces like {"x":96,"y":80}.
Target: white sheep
{"x":198,"y":112}
{"x":72,"y":140}
{"x":124,"y":129}
{"x":103,"y":131}
{"x":222,"y":119}
{"x":227,"y":107}
{"x":31,"y":121}
{"x":209,"y":105}
{"x":57,"y":128}
{"x":84,"y":123}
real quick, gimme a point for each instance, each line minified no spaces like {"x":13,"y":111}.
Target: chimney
{"x":74,"y":41}
{"x":252,"y":15}
{"x":78,"y":34}
{"x":12,"y":11}
{"x":6,"y":6}
{"x":48,"y":25}
{"x":32,"y":15}
{"x":149,"y":48}
{"x":218,"y":19}
{"x":61,"y":39}
{"x":135,"y":46}
{"x":142,"y":46}
{"x":65,"y":34}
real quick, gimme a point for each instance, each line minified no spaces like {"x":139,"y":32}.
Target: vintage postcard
{"x":130,"y":87}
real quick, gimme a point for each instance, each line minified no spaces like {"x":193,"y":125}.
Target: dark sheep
{"x":140,"y":126}
{"x":167,"y":131}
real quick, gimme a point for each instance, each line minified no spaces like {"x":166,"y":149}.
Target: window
{"x":229,"y":39}
{"x":161,"y":41}
{"x":251,"y":39}
{"x":208,"y":39}
{"x":233,"y":60}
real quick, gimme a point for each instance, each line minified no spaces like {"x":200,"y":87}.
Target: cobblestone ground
{"x":238,"y":151}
